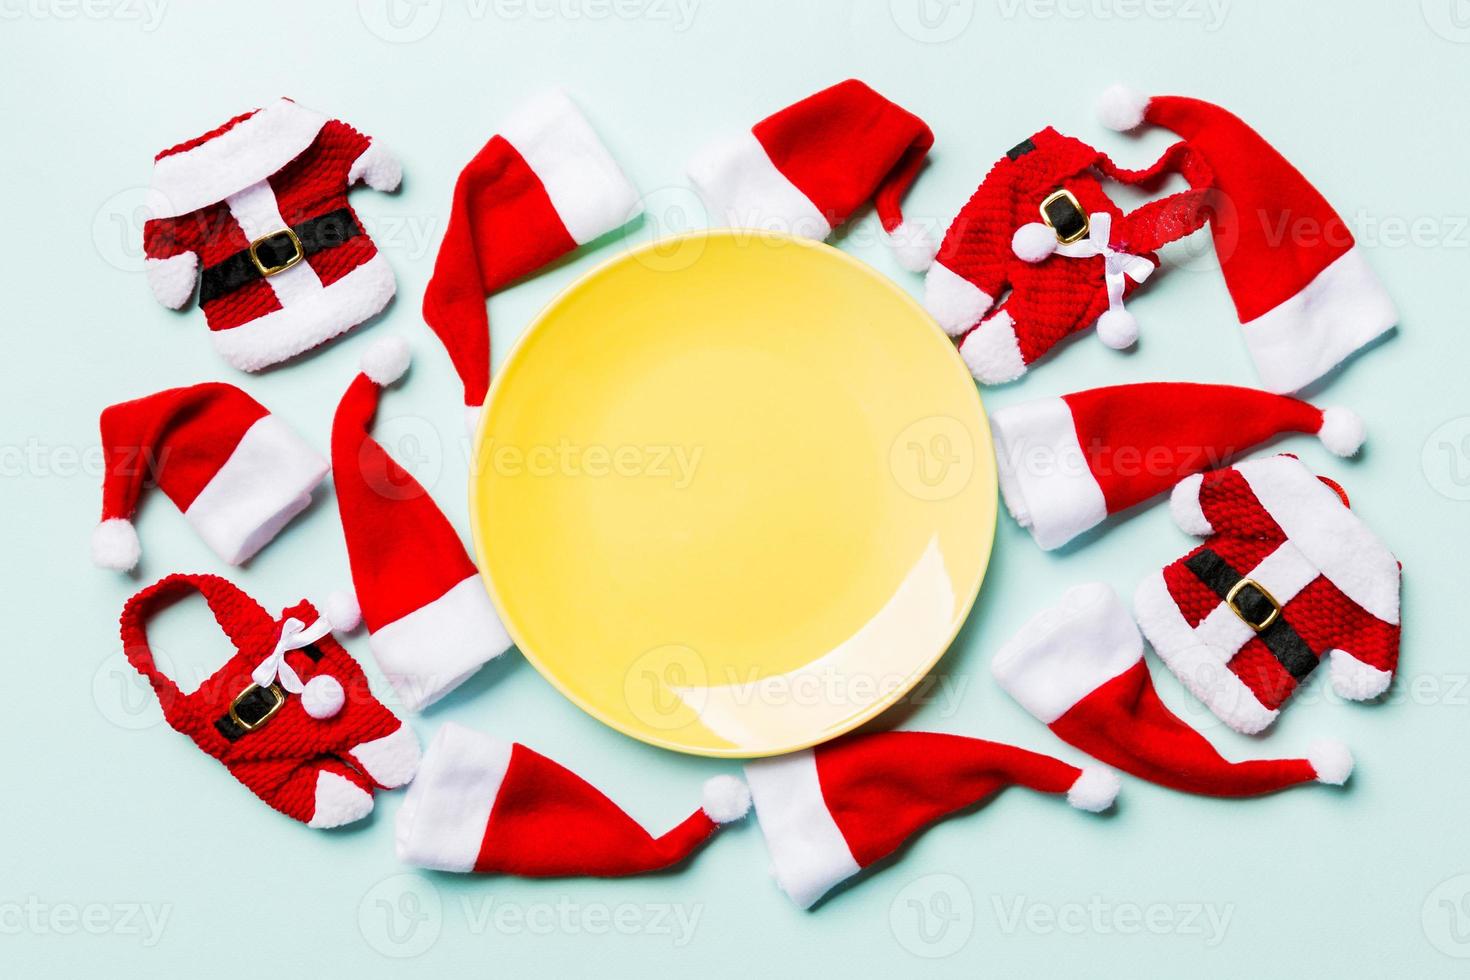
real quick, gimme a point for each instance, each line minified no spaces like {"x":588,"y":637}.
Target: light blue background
{"x":106,"y":809}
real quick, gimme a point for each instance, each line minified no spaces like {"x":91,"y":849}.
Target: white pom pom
{"x":1121,"y":108}
{"x":1033,"y":242}
{"x":1185,"y":509}
{"x":386,"y":360}
{"x":342,"y":611}
{"x":1118,"y":329}
{"x":322,"y":697}
{"x":912,"y":246}
{"x":1095,"y":790}
{"x":115,"y":545}
{"x":1342,"y":431}
{"x":1331,"y":761}
{"x":726,"y":799}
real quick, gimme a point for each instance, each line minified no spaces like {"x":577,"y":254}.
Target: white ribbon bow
{"x":1116,"y":264}
{"x":294,"y":635}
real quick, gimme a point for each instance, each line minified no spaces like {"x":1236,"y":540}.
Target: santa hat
{"x":1078,"y":667}
{"x":482,"y":804}
{"x":1302,"y":287}
{"x":1067,"y":463}
{"x":237,"y":472}
{"x":807,"y":168}
{"x":430,"y":622}
{"x":831,"y":811}
{"x":540,"y":188}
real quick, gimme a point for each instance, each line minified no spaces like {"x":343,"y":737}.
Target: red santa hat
{"x":829,"y":812}
{"x":1302,"y":288}
{"x":539,"y":189}
{"x":1067,"y":463}
{"x":482,"y":804}
{"x":1078,"y":668}
{"x":807,"y":168}
{"x":430,"y":622}
{"x":237,"y":472}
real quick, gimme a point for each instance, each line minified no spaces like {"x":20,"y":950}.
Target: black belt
{"x":255,"y":705}
{"x":1257,"y":608}
{"x":277,"y":252}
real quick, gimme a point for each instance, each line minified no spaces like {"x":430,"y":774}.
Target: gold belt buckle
{"x":270,"y":270}
{"x":249,"y":726}
{"x":1051,"y":214}
{"x":1235,"y":591}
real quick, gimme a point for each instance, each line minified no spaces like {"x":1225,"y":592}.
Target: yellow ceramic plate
{"x":733,"y":494}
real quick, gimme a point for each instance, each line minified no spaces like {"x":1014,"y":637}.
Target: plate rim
{"x":857,"y":719}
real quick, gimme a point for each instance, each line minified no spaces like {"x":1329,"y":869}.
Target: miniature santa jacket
{"x":257,"y":212}
{"x":1287,"y":577}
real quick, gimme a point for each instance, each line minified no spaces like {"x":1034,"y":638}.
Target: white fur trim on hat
{"x":913,"y":247}
{"x":115,"y":545}
{"x":266,"y":481}
{"x":587,"y":188}
{"x":742,"y":188}
{"x":809,"y":855}
{"x":992,"y":352}
{"x":386,"y":360}
{"x":1342,"y":431}
{"x":953,"y":301}
{"x":1343,"y":308}
{"x":1067,"y":651}
{"x":377,"y":167}
{"x":725,"y":799}
{"x":1121,"y":107}
{"x":1331,"y":761}
{"x":441,"y":823}
{"x":1184,"y":506}
{"x":172,"y":279}
{"x":432,"y":650}
{"x":1095,"y":790}
{"x":1044,"y":477}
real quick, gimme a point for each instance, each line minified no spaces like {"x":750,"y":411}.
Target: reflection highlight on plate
{"x":766,"y":714}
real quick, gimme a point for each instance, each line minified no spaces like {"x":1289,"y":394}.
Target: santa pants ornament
{"x":289,"y":714}
{"x":494,"y":807}
{"x":1078,"y":667}
{"x":829,"y":812}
